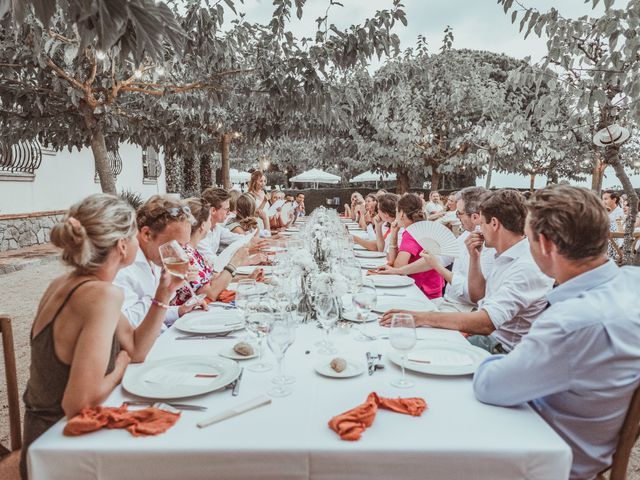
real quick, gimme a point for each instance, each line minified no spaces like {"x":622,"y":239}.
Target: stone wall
{"x":18,"y":231}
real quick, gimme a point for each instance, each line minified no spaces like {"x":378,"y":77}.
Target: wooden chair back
{"x":12,"y":383}
{"x":612,"y":241}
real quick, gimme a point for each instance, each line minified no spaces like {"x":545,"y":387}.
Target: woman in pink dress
{"x":408,"y":251}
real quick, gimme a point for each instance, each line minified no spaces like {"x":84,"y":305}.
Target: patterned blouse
{"x":205,"y":273}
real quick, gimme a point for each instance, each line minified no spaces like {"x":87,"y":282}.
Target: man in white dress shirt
{"x":578,"y":365}
{"x":160,"y":220}
{"x":219,"y":235}
{"x":512,"y":296}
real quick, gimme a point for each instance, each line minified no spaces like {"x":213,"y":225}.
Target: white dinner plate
{"x":292,"y":229}
{"x":370,"y":263}
{"x":354,"y":368}
{"x":215,"y":320}
{"x":248,"y":269}
{"x":389,"y":281}
{"x":440,"y":357}
{"x":389,"y":303}
{"x":359,"y":247}
{"x":229,"y":352}
{"x":178,"y":377}
{"x":352,"y":316}
{"x":260,"y":288}
{"x":369,"y":254}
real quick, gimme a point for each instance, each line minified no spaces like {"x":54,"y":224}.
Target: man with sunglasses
{"x":160,"y":220}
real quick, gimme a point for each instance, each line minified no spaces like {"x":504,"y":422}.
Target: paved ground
{"x":21,"y":291}
{"x":14,"y":260}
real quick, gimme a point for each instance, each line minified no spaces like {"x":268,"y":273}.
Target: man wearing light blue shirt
{"x":579,"y":363}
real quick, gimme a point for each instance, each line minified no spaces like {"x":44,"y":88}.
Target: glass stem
{"x":402,"y":365}
{"x":281,"y":366}
{"x":259,"y":350}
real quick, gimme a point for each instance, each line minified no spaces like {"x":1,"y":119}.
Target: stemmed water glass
{"x":364,"y":300}
{"x":259,"y":324}
{"x":327,"y":311}
{"x":281,"y":336}
{"x":402,"y":338}
{"x":176,"y":261}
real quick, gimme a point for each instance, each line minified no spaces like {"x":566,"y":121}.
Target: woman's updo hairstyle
{"x":91,"y":228}
{"x":201,"y":211}
{"x":411,"y":205}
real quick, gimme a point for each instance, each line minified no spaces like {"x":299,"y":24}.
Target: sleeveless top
{"x":48,"y":378}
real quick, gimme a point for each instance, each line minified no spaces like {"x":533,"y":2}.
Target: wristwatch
{"x":233,"y":271}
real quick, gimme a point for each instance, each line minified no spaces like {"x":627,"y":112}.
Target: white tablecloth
{"x":456,"y":438}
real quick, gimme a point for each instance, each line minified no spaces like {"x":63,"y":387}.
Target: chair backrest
{"x":628,"y":437}
{"x":12,"y":381}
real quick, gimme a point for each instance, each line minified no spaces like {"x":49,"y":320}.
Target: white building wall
{"x":65,"y":178}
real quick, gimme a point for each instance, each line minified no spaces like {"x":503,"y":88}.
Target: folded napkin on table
{"x":350,"y":424}
{"x":148,"y":421}
{"x":227,"y":296}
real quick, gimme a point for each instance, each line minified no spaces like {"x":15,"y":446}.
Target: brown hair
{"x":411,"y":205}
{"x":508,"y":206}
{"x":472,"y":197}
{"x":253,"y":182}
{"x":387,"y":204}
{"x":615,"y":196}
{"x":201,"y":211}
{"x":246,"y":211}
{"x":580,"y":229}
{"x":215,"y":196}
{"x":161,"y":210}
{"x":233,"y":198}
{"x":91,"y":228}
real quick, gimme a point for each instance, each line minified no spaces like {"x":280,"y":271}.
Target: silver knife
{"x":236,"y":386}
{"x":203,"y":337}
{"x":179,"y":406}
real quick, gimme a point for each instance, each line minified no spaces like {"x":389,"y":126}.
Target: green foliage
{"x":133,"y":198}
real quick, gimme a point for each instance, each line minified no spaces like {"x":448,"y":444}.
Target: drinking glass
{"x":327,"y":311}
{"x":246,"y":288}
{"x":259,"y":324}
{"x":281,"y":336}
{"x":402,"y":337}
{"x":364,"y":300}
{"x":176,"y":261}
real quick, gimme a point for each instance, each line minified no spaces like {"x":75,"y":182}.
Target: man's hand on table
{"x":421,"y":318}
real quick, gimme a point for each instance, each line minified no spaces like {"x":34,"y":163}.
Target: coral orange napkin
{"x":148,"y":421}
{"x":227,"y":296}
{"x":350,"y":424}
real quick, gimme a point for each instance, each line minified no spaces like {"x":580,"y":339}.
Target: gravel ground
{"x":21,"y":304}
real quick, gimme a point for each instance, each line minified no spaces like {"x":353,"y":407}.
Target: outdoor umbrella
{"x":372,"y":176}
{"x":315,"y":176}
{"x":237,"y":176}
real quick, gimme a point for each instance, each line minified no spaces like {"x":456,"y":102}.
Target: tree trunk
{"x":99,"y":149}
{"x":224,"y":157}
{"x":487,"y":183}
{"x":191,"y":176}
{"x":173,"y":172}
{"x":597,"y":173}
{"x":435,"y":178}
{"x":206,"y":171}
{"x":532,"y":184}
{"x":612,"y":157}
{"x":402,"y":181}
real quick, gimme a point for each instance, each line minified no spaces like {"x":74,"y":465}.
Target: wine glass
{"x":327,"y":311}
{"x":364,"y":300}
{"x":176,"y":261}
{"x":259,"y":324}
{"x":281,"y":336}
{"x":402,"y":338}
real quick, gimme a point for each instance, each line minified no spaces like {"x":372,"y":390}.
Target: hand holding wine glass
{"x":176,"y":261}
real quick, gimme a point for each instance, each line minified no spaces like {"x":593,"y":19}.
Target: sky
{"x":476,"y":24}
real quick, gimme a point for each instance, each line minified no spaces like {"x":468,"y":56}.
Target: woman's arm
{"x":402,"y":259}
{"x":88,"y":386}
{"x":368,"y":244}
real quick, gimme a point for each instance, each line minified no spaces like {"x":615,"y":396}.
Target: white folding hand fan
{"x":435,"y":238}
{"x":286,"y":210}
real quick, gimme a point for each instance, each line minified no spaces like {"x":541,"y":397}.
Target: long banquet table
{"x":456,"y":438}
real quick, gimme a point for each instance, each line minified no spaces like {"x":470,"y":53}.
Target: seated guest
{"x":256,"y":190}
{"x":382,"y":191}
{"x":233,"y":198}
{"x":160,"y":220}
{"x":387,"y":204}
{"x":578,"y":365}
{"x":245,"y":220}
{"x":409,"y":211}
{"x":351,"y":210}
{"x":209,"y":246}
{"x":298,"y":206}
{"x":275,"y":220}
{"x":434,"y":208}
{"x":369,"y":211}
{"x":80,"y":342}
{"x":206,"y":281}
{"x":513,"y":295}
{"x":456,"y":294}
